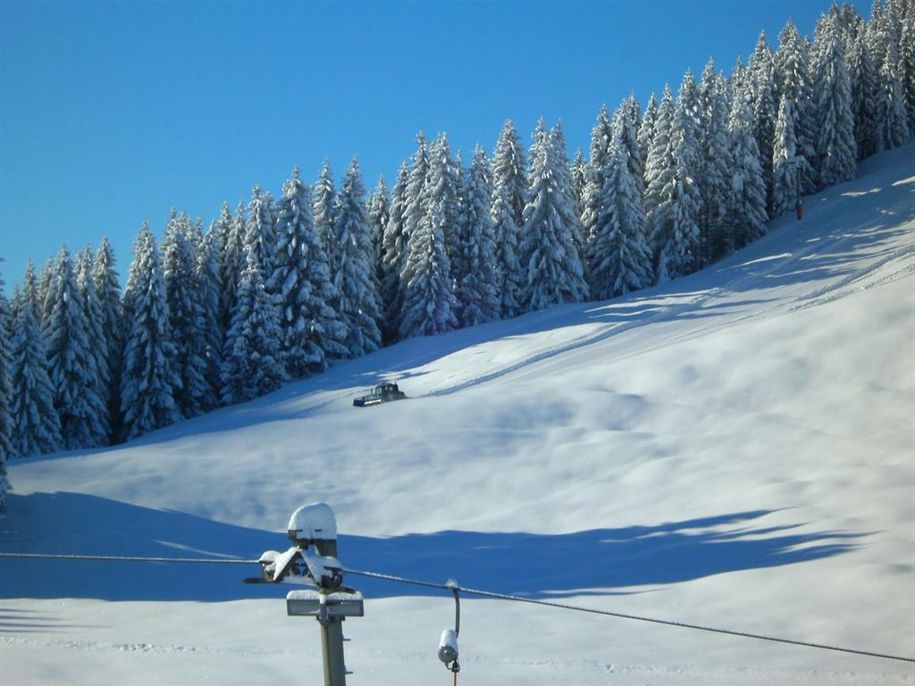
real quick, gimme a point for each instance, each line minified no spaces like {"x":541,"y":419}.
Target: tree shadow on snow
{"x":597,"y":561}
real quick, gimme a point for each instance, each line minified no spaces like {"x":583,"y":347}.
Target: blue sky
{"x":111,"y":113}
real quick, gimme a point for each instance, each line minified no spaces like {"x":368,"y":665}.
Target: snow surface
{"x":733,"y":449}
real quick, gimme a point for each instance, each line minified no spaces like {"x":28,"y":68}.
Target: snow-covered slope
{"x":735,"y":449}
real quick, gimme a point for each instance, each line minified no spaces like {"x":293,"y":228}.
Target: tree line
{"x":281,"y":288}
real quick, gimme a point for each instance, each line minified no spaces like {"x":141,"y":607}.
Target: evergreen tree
{"x":208,"y":276}
{"x":444,"y":167}
{"x":509,"y":190}
{"x":379,"y":212}
{"x":907,"y":61}
{"x":260,"y":235}
{"x":601,"y":136}
{"x":6,"y":449}
{"x":864,"y":95}
{"x":232,"y":232}
{"x":549,"y":256}
{"x":787,"y":164}
{"x":45,"y":282}
{"x":626,"y":122}
{"x":360,"y":307}
{"x":71,"y":362}
{"x":579,"y":176}
{"x":394,"y":255}
{"x":746,"y":219}
{"x":183,"y":294}
{"x":35,"y":426}
{"x":108,"y":291}
{"x":323,"y":201}
{"x":836,"y":146}
{"x":891,"y":125}
{"x":646,"y":136}
{"x":761,"y":75}
{"x":793,"y":81}
{"x":96,"y":342}
{"x":428,"y":301}
{"x":714,"y":174}
{"x":477,"y":292}
{"x":560,"y":157}
{"x":149,"y":379}
{"x":251,"y":364}
{"x":311,"y":330}
{"x":618,"y":251}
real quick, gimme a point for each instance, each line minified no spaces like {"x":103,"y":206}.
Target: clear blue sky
{"x":115,"y":112}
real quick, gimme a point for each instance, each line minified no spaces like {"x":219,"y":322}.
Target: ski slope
{"x":734,"y":449}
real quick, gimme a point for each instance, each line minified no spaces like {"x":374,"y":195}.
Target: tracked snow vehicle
{"x":382,"y":393}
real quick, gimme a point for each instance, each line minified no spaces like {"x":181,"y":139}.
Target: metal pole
{"x":331,"y":632}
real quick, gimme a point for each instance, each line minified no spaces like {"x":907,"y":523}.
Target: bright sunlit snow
{"x":733,"y":449}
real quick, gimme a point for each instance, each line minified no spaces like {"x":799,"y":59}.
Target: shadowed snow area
{"x":733,"y":449}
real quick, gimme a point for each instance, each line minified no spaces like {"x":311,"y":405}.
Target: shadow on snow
{"x":597,"y":561}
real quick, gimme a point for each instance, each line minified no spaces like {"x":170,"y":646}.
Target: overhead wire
{"x":451,"y":587}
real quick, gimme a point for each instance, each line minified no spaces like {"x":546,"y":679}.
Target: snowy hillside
{"x":732,"y":449}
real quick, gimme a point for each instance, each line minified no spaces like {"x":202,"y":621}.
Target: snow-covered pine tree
{"x":6,"y":449}
{"x":323,"y":202}
{"x":251,"y":364}
{"x":232,"y":259}
{"x":379,"y":212}
{"x":787,"y":165}
{"x":149,"y":379}
{"x":394,"y":256}
{"x":28,"y":296}
{"x":359,"y":304}
{"x":658,"y":164}
{"x":907,"y":61}
{"x":260,"y":235}
{"x":509,"y":190}
{"x":714,"y":173}
{"x":747,"y":217}
{"x":183,"y":293}
{"x":108,"y":291}
{"x":71,"y":362}
{"x":646,"y":135}
{"x":45,"y":283}
{"x":618,"y":251}
{"x":549,"y":256}
{"x":429,"y":306}
{"x":207,"y":273}
{"x":311,"y":330}
{"x":97,"y":343}
{"x":626,"y":121}
{"x":793,"y":81}
{"x":891,"y":123}
{"x":601,"y":136}
{"x":445,"y":168}
{"x":835,"y":145}
{"x":761,"y":79}
{"x":579,"y":176}
{"x":864,"y":94}
{"x":562,"y":168}
{"x":477,"y":291}
{"x":35,"y":426}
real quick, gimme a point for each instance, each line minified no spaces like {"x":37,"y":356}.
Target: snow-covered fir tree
{"x":550,"y":257}
{"x":907,"y":61}
{"x":260,"y":235}
{"x":71,"y":362}
{"x":251,"y":361}
{"x":445,"y":168}
{"x":323,"y":202}
{"x":97,"y":343}
{"x":6,"y":448}
{"x":108,"y":291}
{"x":149,"y":378}
{"x":394,"y":256}
{"x":746,"y":219}
{"x":359,"y":304}
{"x":311,"y":330}
{"x":626,"y":122}
{"x":890,"y":119}
{"x":563,"y":181}
{"x":183,"y":293}
{"x":579,"y":176}
{"x":793,"y":81}
{"x":761,"y":82}
{"x":35,"y":426}
{"x":45,"y":281}
{"x":646,"y":136}
{"x":509,"y":190}
{"x":232,"y":237}
{"x":208,"y":276}
{"x":864,"y":94}
{"x":601,"y":135}
{"x":714,"y":174}
{"x":835,"y":145}
{"x":379,"y":212}
{"x":429,"y":306}
{"x":618,"y":251}
{"x":787,"y":164}
{"x":477,"y":292}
